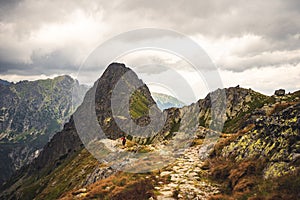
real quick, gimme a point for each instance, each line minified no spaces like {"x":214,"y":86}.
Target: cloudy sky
{"x":252,"y":43}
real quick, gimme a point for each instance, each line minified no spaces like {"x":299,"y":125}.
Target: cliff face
{"x":107,"y":111}
{"x":31,"y":112}
{"x":138,"y":104}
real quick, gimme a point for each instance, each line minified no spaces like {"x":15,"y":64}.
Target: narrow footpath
{"x":187,"y":179}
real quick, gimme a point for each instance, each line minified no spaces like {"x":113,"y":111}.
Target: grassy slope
{"x":258,"y":100}
{"x":138,"y":105}
{"x":51,"y":184}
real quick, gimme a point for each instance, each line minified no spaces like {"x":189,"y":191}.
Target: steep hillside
{"x":31,"y":112}
{"x":262,"y":159}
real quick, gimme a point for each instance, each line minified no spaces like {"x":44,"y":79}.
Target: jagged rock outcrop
{"x":30,"y":114}
{"x":230,"y":107}
{"x":262,"y":157}
{"x":141,"y":99}
{"x":99,"y":173}
{"x":280,"y":92}
{"x":276,"y":138}
{"x":131,"y":115}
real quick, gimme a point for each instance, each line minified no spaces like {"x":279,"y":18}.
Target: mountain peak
{"x":63,"y":77}
{"x":104,"y":95}
{"x":115,"y":67}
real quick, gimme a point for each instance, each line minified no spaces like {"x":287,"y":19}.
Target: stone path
{"x":187,"y":179}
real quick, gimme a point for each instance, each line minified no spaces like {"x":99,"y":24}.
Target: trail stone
{"x":185,"y":179}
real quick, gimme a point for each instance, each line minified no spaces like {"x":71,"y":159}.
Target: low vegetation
{"x":139,"y":105}
{"x":121,"y":186}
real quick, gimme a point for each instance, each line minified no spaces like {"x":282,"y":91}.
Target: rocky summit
{"x":234,"y":144}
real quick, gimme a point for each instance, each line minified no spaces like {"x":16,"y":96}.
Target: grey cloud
{"x":277,"y":22}
{"x":54,"y":63}
{"x":274,"y":20}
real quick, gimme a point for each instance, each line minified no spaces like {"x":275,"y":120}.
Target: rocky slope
{"x":275,"y":137}
{"x":222,"y":110}
{"x":31,"y":112}
{"x":261,"y":160}
{"x":260,"y":138}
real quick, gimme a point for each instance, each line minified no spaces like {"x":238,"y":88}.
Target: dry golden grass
{"x":281,"y":106}
{"x":197,"y":142}
{"x":120,"y":186}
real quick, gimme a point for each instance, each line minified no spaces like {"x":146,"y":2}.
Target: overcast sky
{"x":252,"y":43}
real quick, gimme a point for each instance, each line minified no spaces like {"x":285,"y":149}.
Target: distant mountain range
{"x":30,"y":114}
{"x":165,"y":101}
{"x":256,"y":155}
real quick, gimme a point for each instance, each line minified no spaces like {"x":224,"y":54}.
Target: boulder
{"x":280,"y":92}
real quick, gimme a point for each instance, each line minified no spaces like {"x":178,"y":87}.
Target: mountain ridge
{"x":31,"y":113}
{"x":4,"y":82}
{"x":243,"y":108}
